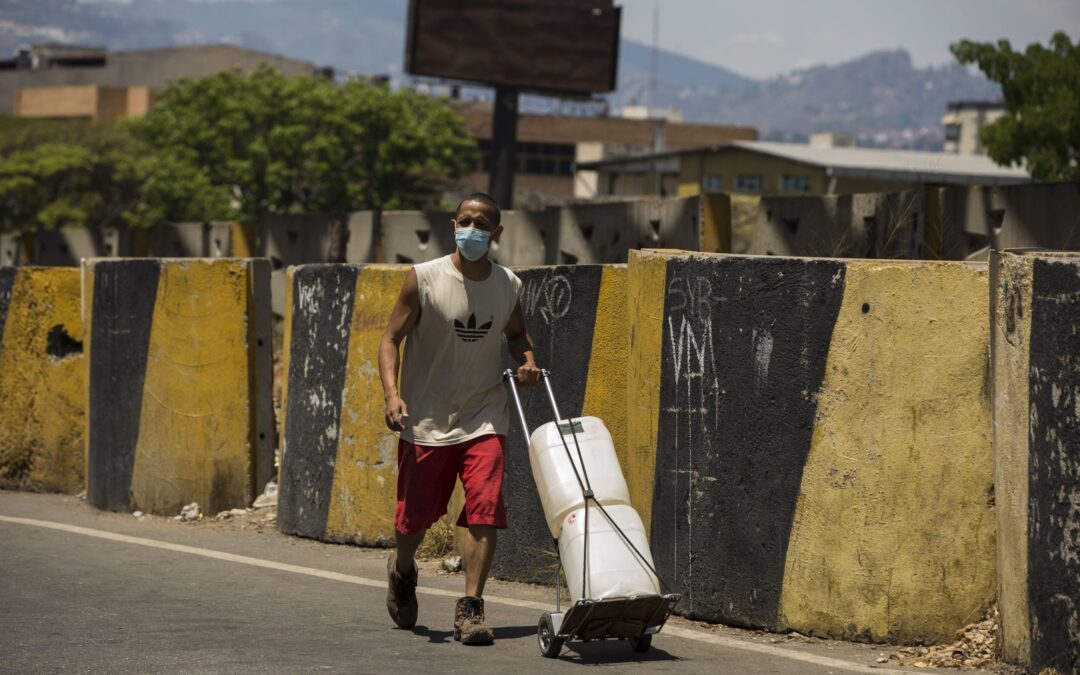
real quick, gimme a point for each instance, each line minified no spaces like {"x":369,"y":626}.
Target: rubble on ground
{"x":267,"y":498}
{"x":225,"y":515}
{"x":190,"y":513}
{"x":974,"y":648}
{"x":452,"y":564}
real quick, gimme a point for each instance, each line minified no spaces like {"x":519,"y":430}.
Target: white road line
{"x":709,"y":638}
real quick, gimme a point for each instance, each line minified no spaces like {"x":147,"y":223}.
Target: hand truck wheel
{"x":550,"y":644}
{"x":641,"y":643}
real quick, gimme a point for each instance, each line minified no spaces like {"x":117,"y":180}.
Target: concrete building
{"x":90,"y":82}
{"x":964,"y":124}
{"x":549,"y":146}
{"x":765,"y":168}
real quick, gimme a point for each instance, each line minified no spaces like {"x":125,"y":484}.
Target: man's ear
{"x":453,"y":223}
{"x":496,"y":233}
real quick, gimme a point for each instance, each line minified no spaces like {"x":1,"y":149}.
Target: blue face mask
{"x":472,"y":243}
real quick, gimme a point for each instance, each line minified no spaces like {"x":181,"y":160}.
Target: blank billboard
{"x":555,"y":46}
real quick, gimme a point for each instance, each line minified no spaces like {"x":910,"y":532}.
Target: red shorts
{"x":426,"y":476}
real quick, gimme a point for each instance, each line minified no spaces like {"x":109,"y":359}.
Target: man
{"x":451,"y":413}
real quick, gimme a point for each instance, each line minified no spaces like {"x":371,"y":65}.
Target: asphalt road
{"x":83,"y":591}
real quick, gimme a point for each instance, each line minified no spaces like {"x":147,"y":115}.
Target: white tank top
{"x":451,"y":369}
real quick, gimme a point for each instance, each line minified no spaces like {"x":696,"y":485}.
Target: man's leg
{"x":425,"y":482}
{"x":407,"y":545}
{"x":479,"y":552}
{"x":481,"y":476}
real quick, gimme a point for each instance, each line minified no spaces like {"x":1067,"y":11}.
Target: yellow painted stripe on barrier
{"x":286,"y":348}
{"x":42,"y":395}
{"x":715,"y":219}
{"x":1012,"y":300}
{"x":900,"y":455}
{"x":242,"y":236}
{"x":193,"y":428}
{"x":605,"y":385}
{"x":365,"y":472}
{"x":646,"y":288}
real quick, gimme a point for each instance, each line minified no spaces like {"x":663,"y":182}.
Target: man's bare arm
{"x":402,"y":318}
{"x":520,"y":346}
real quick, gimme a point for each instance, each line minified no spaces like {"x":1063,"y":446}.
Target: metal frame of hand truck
{"x":634,"y":618}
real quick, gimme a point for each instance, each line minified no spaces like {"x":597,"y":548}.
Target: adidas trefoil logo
{"x":470,"y":332}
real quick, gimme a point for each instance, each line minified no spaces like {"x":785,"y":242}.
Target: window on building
{"x":952,"y":132}
{"x":749,"y":182}
{"x":790,"y":183}
{"x":712,"y":183}
{"x":539,"y":159}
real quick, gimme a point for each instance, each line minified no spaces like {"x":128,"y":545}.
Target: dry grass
{"x":439,"y":541}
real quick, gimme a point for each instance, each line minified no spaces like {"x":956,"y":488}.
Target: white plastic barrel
{"x":553,"y":471}
{"x":614,"y":569}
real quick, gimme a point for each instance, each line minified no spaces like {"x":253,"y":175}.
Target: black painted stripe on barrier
{"x":1054,"y":467}
{"x":323,"y":297}
{"x":7,"y":283}
{"x":743,"y":358}
{"x":559,"y":304}
{"x":122,"y":313}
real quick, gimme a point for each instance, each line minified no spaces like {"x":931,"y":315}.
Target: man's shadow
{"x":501,"y":633}
{"x":434,"y":636}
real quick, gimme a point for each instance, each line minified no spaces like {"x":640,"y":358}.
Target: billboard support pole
{"x":503,"y":146}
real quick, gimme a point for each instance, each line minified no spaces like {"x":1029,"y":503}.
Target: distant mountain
{"x":881,"y":97}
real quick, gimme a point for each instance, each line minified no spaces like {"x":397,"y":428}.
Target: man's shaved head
{"x":487,"y":201}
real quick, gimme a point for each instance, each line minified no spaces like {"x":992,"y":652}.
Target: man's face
{"x":480,"y":216}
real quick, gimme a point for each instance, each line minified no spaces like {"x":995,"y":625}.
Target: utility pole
{"x":504,"y":147}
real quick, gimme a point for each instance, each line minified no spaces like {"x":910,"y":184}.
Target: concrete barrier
{"x":1036,"y":388}
{"x":179,"y":383}
{"x":338,"y":475}
{"x":298,"y":239}
{"x":576,"y":316}
{"x":42,"y":373}
{"x":822,"y":442}
{"x":876,"y":225}
{"x":186,"y":240}
{"x":1005,"y":217}
{"x":66,"y":247}
{"x":339,"y":462}
{"x":16,"y":249}
{"x":607,"y":232}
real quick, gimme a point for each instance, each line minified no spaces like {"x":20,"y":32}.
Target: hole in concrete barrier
{"x":866,"y":308}
{"x":404,"y":260}
{"x":59,"y":345}
{"x":259,"y":342}
{"x":276,"y":263}
{"x":423,"y":236}
{"x":587,"y":231}
{"x":262,"y":435}
{"x":996,"y":218}
{"x":792,"y":224}
{"x":567,"y":258}
{"x":655,"y":226}
{"x":293,"y":236}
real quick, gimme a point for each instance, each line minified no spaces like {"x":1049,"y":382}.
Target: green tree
{"x":78,"y":174}
{"x":281,"y":144}
{"x":1041,"y":88}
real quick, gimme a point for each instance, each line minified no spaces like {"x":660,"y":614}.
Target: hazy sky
{"x":768,"y":37}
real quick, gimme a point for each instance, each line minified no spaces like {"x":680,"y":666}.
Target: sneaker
{"x":469,"y":628}
{"x":401,"y":594}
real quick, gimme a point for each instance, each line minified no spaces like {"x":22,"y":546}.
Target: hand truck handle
{"x":510,"y":376}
